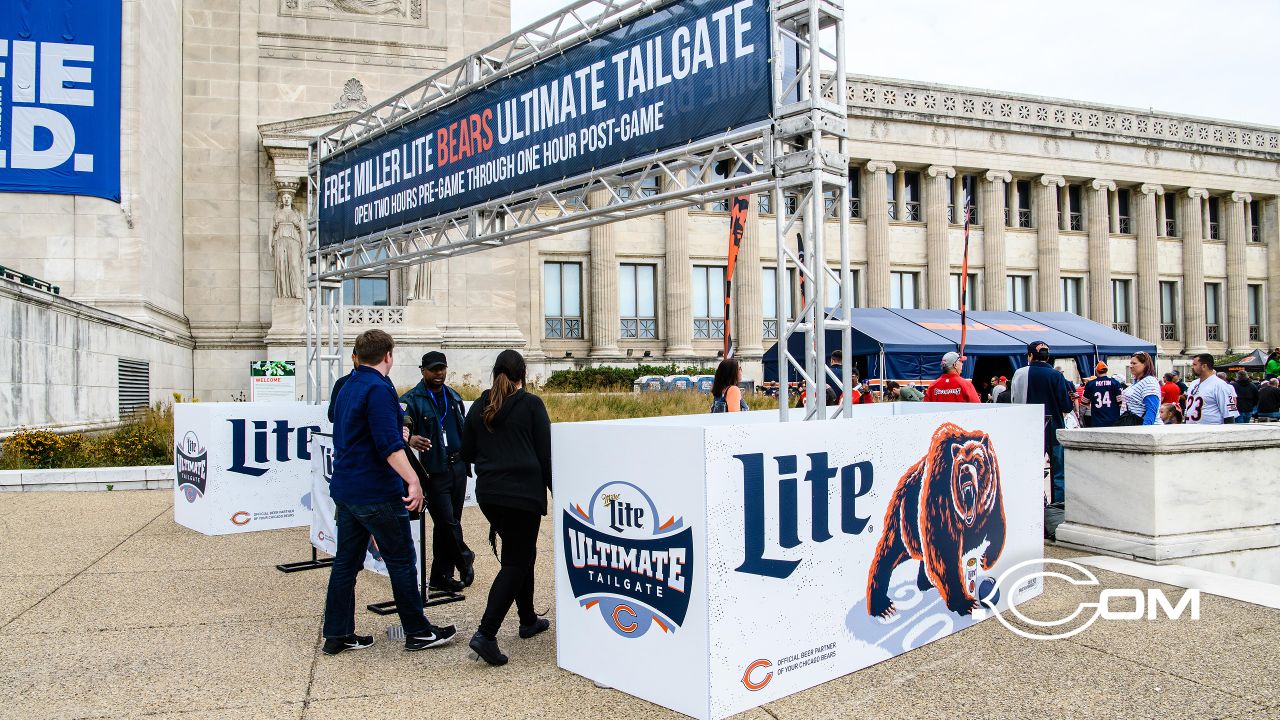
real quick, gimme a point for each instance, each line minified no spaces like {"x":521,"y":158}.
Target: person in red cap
{"x":1102,"y":394}
{"x":951,"y":386}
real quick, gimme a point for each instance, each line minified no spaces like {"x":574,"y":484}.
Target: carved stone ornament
{"x":352,"y":96}
{"x":361,"y":7}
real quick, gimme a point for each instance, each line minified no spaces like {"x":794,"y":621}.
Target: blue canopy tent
{"x":908,"y":344}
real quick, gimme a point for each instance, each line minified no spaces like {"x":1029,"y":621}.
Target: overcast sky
{"x":1214,"y":59}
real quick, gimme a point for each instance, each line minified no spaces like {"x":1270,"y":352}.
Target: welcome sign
{"x":60,"y":98}
{"x":682,"y":73}
{"x":748,"y":559}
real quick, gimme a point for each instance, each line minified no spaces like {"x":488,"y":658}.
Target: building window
{"x":911,"y":196}
{"x":1255,"y":313}
{"x":902,"y":290}
{"x":833,"y":288}
{"x":971,"y":292}
{"x":1071,"y":295}
{"x":855,"y":192}
{"x":648,"y":187}
{"x":637,"y":307}
{"x":1075,"y":212}
{"x":1214,"y":214}
{"x":1170,"y":215}
{"x":1024,"y":204}
{"x":969,"y":189}
{"x":766,"y":202}
{"x":1255,"y":223}
{"x":1120,"y":305}
{"x":891,"y":192}
{"x":708,"y":302}
{"x":769,"y":303}
{"x":369,"y":290}
{"x":562,"y":300}
{"x":1212,"y":321}
{"x":1124,"y":222}
{"x":1168,"y":310}
{"x":718,"y":172}
{"x":1019,"y":293}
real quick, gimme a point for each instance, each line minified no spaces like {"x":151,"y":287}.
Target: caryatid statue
{"x":286,"y":247}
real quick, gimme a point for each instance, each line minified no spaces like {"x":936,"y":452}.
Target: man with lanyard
{"x":1102,"y":394}
{"x":435,"y":411}
{"x":1210,"y":400}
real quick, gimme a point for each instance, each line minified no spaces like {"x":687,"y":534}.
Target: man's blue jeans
{"x":1057,"y":473}
{"x":388,"y":524}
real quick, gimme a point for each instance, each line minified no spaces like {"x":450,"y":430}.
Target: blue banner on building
{"x":691,"y":70}
{"x":60,"y":97}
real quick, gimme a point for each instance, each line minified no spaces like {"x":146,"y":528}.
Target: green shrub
{"x":145,"y":438}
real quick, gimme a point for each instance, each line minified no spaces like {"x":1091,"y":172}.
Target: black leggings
{"x":518,"y":530}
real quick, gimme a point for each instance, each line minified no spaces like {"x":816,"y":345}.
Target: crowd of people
{"x":395,"y":455}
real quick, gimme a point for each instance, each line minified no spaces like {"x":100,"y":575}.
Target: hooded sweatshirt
{"x":513,"y":461}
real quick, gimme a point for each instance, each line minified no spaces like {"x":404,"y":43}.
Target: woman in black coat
{"x":507,"y":436}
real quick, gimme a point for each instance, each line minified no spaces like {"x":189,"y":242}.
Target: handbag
{"x":1128,"y":419}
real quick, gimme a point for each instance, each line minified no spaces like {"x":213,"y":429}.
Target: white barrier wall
{"x":714,"y":563}
{"x":242,"y":467}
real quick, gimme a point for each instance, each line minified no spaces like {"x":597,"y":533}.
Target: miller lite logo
{"x":191,"y":466}
{"x":628,"y":560}
{"x":272,"y":442}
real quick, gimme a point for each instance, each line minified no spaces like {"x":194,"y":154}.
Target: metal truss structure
{"x":801,"y":153}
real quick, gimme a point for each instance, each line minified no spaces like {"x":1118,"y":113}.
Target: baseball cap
{"x":950,"y":359}
{"x":1101,"y":368}
{"x":433,"y":359}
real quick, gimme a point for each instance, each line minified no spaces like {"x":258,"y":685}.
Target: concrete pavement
{"x":109,"y":609}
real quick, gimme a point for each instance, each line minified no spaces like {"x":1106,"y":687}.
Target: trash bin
{"x":649,"y":383}
{"x":679,"y":382}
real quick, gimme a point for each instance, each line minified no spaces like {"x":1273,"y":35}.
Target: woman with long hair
{"x":725,"y":395}
{"x":507,"y":435}
{"x":1142,"y":397}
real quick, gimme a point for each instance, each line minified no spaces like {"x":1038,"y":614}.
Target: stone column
{"x":1048,"y":254}
{"x":1148,"y":297}
{"x":1192,"y":217}
{"x":604,"y":284}
{"x":877,"y":212}
{"x":1271,"y":237}
{"x":1100,"y":251}
{"x":899,"y":195}
{"x":936,"y":234}
{"x":678,"y":274}
{"x":747,"y":312}
{"x":993,"y":249}
{"x":1237,"y":274}
{"x":1064,"y":207}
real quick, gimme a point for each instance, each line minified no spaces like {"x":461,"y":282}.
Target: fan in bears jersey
{"x":1103,"y":395}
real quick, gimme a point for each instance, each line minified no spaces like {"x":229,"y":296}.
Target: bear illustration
{"x":946,"y":504}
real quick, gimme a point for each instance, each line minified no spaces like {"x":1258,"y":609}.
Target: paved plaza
{"x":109,"y":609}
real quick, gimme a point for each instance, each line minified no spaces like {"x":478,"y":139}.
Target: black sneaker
{"x":434,"y":637}
{"x":538,"y":626}
{"x":446,"y":585}
{"x":468,"y":570}
{"x":487,"y":649}
{"x":333,"y":646}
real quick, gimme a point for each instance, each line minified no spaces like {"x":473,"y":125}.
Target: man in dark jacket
{"x":337,"y":385}
{"x":435,"y":410}
{"x":1269,"y":398}
{"x":1246,"y":397}
{"x":1046,"y":386}
{"x":373,"y":488}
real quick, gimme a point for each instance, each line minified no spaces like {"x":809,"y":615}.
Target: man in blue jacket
{"x":436,"y":412}
{"x":373,"y":488}
{"x":1046,"y":386}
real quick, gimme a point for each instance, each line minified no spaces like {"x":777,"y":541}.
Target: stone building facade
{"x":1166,"y":226}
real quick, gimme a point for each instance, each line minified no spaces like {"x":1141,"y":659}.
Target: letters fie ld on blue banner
{"x":60,"y":97}
{"x":691,"y":70}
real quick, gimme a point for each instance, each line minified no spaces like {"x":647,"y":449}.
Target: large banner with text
{"x":244,"y":466}
{"x":688,"y":71}
{"x":746,"y":559}
{"x":60,"y":98}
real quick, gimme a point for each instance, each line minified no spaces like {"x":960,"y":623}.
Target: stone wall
{"x":62,"y":357}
